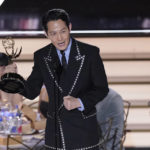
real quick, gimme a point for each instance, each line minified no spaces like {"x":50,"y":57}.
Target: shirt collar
{"x":67,"y":51}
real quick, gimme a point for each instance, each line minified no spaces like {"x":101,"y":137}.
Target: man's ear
{"x":70,"y":26}
{"x":45,"y":33}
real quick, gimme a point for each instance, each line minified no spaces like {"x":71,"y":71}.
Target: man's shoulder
{"x":87,"y":45}
{"x":42,"y":50}
{"x":88,"y":48}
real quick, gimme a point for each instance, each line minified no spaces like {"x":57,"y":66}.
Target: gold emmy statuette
{"x":8,"y":44}
{"x":11,"y":82}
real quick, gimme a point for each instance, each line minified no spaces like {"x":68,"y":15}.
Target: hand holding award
{"x":11,"y":82}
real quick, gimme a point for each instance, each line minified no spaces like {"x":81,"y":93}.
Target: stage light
{"x":1,"y":1}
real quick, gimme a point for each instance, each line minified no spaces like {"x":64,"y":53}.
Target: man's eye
{"x":52,"y":34}
{"x":63,"y":31}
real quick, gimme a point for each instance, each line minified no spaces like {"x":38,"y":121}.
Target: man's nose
{"x":59,"y":37}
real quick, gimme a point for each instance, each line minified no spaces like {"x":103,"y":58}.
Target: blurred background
{"x":85,"y":14}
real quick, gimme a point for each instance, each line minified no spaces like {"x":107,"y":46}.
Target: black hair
{"x":55,"y":14}
{"x":4,"y":59}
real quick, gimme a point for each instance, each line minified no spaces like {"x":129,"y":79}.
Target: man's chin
{"x":61,"y":48}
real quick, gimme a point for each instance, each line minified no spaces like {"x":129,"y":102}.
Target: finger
{"x":66,"y":105}
{"x":67,"y":97}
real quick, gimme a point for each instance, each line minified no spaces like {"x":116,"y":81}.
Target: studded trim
{"x":101,"y":142}
{"x":60,"y":107}
{"x":78,"y":57}
{"x":46,"y":59}
{"x":61,"y":133}
{"x":85,"y":117}
{"x":79,"y":71}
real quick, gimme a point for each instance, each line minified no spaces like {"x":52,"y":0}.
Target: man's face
{"x":58,"y":33}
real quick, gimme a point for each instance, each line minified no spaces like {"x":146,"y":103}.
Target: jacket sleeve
{"x":99,"y":88}
{"x":34,"y":82}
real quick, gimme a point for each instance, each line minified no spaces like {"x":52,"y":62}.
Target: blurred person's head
{"x":57,"y":26}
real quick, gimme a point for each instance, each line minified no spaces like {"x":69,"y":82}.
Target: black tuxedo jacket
{"x":84,"y":78}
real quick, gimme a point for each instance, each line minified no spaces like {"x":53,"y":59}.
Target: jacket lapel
{"x":74,"y":69}
{"x":53,"y":65}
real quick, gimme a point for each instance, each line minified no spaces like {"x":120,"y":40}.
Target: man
{"x":111,"y":107}
{"x":74,"y":82}
{"x":7,"y":98}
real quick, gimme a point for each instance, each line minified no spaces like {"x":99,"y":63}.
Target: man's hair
{"x":4,"y":59}
{"x":54,"y":15}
